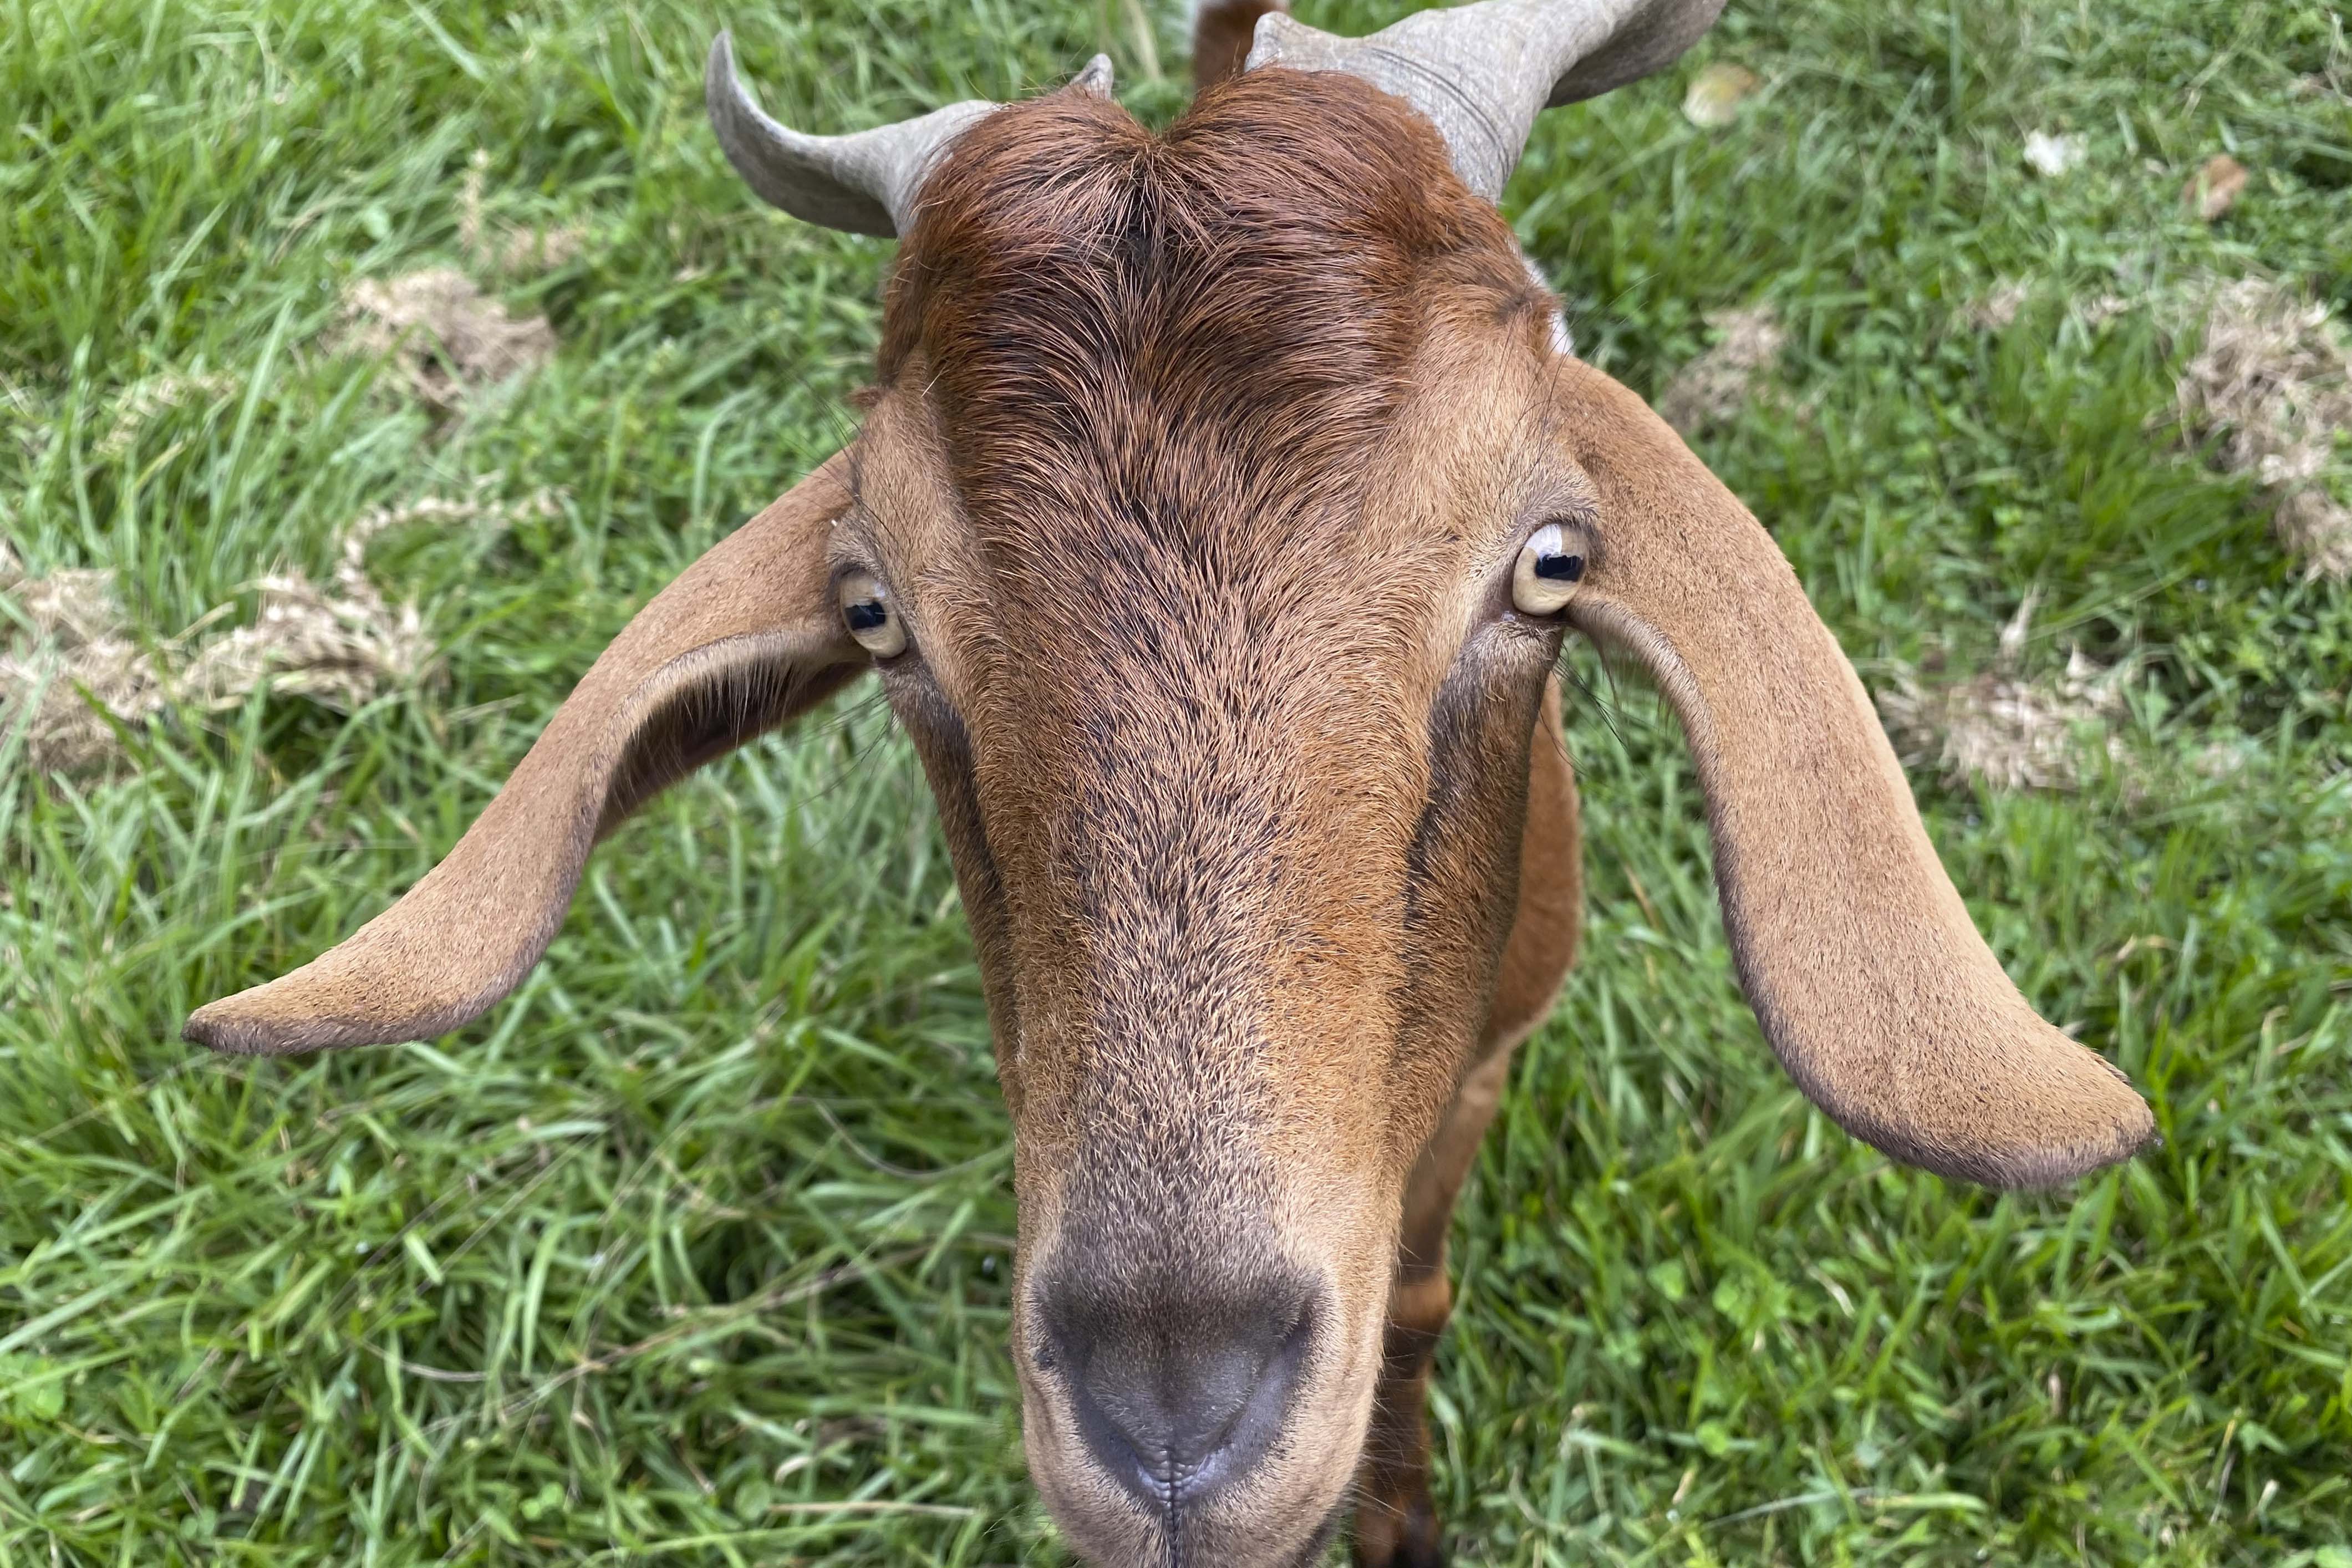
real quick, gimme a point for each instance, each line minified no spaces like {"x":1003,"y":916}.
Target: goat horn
{"x":867,"y":182}
{"x":1482,"y":72}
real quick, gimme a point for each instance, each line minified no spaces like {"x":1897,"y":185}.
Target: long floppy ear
{"x":1854,"y":949}
{"x":744,"y":639}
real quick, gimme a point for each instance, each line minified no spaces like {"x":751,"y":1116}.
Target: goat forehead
{"x":1168,"y":364}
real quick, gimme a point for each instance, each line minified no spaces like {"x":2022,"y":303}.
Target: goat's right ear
{"x":747,"y":637}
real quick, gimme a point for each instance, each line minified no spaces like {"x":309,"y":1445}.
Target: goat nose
{"x":1179,"y":1398}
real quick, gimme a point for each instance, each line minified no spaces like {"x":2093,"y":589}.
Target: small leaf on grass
{"x":30,"y":1392}
{"x":414,"y":1245}
{"x":1716,"y":94}
{"x":2254,"y":1435}
{"x":2215,"y":187}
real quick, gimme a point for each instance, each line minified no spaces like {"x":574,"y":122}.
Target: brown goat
{"x":1223,"y":502}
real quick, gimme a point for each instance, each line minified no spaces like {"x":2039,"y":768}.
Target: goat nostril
{"x":1176,"y":1400}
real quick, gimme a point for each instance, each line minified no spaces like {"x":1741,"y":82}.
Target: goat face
{"x":1199,"y":476}
{"x":1222,"y":506}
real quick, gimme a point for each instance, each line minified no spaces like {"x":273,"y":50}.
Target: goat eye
{"x":1548,"y":571}
{"x":872,"y":619}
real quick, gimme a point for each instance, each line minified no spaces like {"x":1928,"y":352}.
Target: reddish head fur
{"x":1221,"y":314}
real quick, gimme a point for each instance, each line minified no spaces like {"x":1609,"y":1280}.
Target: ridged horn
{"x":1482,"y":72}
{"x":864,"y":183}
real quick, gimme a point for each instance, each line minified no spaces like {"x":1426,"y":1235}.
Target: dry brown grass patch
{"x":447,"y":339}
{"x":1716,"y":386}
{"x":72,"y":669}
{"x":2003,"y":728}
{"x":2274,"y":380}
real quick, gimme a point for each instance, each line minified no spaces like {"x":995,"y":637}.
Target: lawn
{"x":696,"y":1250}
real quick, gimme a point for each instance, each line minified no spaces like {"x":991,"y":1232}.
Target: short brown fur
{"x":1196,"y":471}
{"x":1164,"y":373}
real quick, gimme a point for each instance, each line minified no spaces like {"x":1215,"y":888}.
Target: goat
{"x":1223,"y":503}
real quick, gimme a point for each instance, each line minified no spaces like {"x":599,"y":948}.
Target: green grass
{"x":696,"y":1251}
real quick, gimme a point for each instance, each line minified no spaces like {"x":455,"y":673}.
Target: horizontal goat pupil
{"x":1561,"y":568}
{"x":865,"y":615}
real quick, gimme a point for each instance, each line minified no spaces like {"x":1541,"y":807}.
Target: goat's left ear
{"x":744,"y":639}
{"x":1854,"y":947}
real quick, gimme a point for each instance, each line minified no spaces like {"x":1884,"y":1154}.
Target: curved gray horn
{"x":1482,"y":72}
{"x":866,"y":183}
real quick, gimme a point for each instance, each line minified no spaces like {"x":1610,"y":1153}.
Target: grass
{"x":696,"y":1251}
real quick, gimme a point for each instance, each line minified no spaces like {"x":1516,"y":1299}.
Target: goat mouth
{"x":1183,"y":1551}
